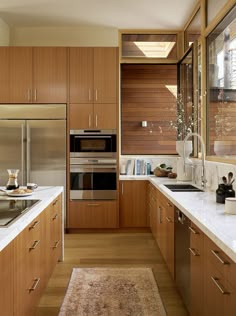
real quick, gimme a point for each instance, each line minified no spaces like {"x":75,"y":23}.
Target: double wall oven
{"x":93,"y":165}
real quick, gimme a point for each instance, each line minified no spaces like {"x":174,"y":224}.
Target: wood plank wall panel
{"x":147,"y":95}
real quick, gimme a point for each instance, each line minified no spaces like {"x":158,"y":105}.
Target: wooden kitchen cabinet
{"x":93,"y":214}
{"x":93,"y":87}
{"x":86,"y":116}
{"x":27,"y":269}
{"x":152,"y":208}
{"x":93,"y":74}
{"x":33,"y":75}
{"x":6,"y":280}
{"x":133,"y":204}
{"x":165,"y":231}
{"x":196,"y":270}
{"x":219,"y":281}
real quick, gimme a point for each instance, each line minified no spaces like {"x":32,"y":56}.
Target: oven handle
{"x":95,"y":168}
{"x":92,"y":136}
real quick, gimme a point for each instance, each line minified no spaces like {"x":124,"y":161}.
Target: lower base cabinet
{"x":93,"y":214}
{"x":6,"y":280}
{"x":27,"y":262}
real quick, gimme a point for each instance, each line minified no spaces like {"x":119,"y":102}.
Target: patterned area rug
{"x":112,"y":292}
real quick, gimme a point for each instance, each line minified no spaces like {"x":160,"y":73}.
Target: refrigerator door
{"x":12,"y":149}
{"x":46,"y":152}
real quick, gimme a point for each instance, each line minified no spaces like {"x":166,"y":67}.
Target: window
{"x":221,"y":84}
{"x":149,"y":46}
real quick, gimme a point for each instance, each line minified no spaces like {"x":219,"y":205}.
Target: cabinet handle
{"x":93,"y":204}
{"x":29,"y":94}
{"x":159,"y":214}
{"x":35,"y":95}
{"x":169,"y":204}
{"x":89,"y":119}
{"x":216,"y":282}
{"x":56,"y":244}
{"x":216,"y":254}
{"x":96,"y":120}
{"x":55,"y":217}
{"x":193,"y":230}
{"x":168,"y":219}
{"x":193,"y":252}
{"x":96,"y":94}
{"x":34,"y":225}
{"x":35,"y":284}
{"x":35,"y":244}
{"x":122,"y":188}
{"x":55,"y":202}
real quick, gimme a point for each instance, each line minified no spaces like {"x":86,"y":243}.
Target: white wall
{"x":4,"y":33}
{"x":64,"y":36}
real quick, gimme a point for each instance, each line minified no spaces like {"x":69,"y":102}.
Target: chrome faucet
{"x":203,"y":176}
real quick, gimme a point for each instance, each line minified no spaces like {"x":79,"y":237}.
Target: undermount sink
{"x":182,"y":188}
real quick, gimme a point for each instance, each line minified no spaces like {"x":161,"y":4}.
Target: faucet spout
{"x":203,"y":176}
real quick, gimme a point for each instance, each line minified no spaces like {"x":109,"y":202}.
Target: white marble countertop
{"x":201,"y":208}
{"x":45,"y":195}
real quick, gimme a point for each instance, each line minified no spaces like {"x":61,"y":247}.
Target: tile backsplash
{"x":214,"y":170}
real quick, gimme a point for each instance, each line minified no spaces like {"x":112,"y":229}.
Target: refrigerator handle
{"x":28,"y":162}
{"x":22,"y":154}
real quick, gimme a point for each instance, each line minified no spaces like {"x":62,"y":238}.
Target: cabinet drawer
{"x":93,"y":214}
{"x":220,"y":260}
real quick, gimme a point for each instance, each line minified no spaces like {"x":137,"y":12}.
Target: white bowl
{"x":230,"y":205}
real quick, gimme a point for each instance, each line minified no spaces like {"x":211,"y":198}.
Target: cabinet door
{"x":169,"y":236}
{"x":93,"y":214}
{"x":27,"y":270}
{"x":6,"y":280}
{"x":105,"y":74}
{"x":81,"y":75}
{"x":4,"y":74}
{"x":133,"y":204}
{"x":55,"y":230}
{"x":196,"y":270}
{"x":81,"y":116}
{"x":105,"y":116}
{"x":20,"y":75}
{"x":50,"y":74}
{"x":15,"y":74}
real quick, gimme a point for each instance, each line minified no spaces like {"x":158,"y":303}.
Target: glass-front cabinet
{"x":221,"y":88}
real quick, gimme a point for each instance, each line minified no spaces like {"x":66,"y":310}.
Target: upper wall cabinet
{"x":33,"y":75}
{"x":93,"y":74}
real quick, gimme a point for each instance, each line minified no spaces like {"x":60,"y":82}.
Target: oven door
{"x":93,"y":182}
{"x":90,"y":145}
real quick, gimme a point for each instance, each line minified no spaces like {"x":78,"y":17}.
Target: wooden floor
{"x":109,"y":250}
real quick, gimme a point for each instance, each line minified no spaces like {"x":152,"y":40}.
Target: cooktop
{"x":10,"y":210}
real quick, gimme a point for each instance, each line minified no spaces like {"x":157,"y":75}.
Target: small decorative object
{"x":230,"y":205}
{"x":224,"y":191}
{"x":172,"y":175}
{"x":12,"y":181}
{"x":162,"y":170}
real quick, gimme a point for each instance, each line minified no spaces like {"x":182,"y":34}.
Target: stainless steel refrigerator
{"x":33,"y":140}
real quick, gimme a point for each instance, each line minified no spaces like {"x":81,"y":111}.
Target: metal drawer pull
{"x":55,"y":202}
{"x":34,"y":225}
{"x":168,"y":219}
{"x":215,"y":253}
{"x":193,"y":230}
{"x":35,"y":284}
{"x":55,"y":217}
{"x":35,"y":244}
{"x":168,"y":204}
{"x":193,"y":252}
{"x":93,"y":204}
{"x":56,"y":244}
{"x":216,"y":282}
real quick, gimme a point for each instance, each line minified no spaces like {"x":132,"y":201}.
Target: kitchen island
{"x":29,"y":250}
